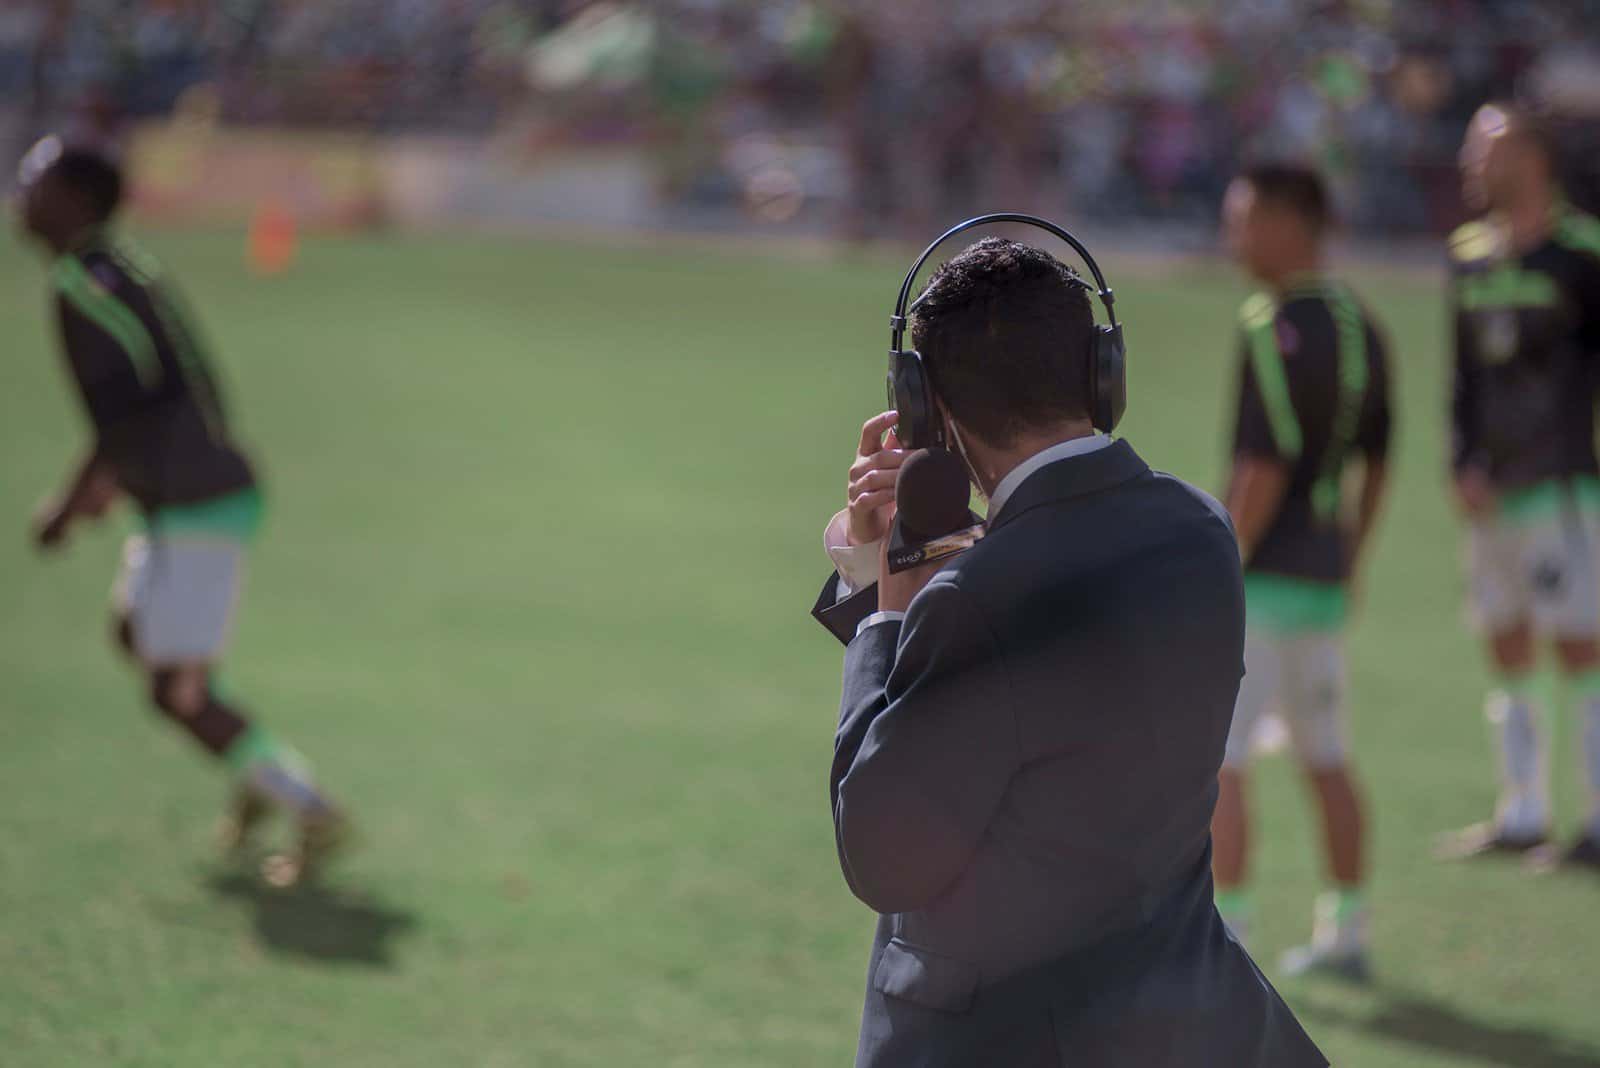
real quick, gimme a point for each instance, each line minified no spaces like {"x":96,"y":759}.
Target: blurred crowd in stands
{"x":887,"y":116}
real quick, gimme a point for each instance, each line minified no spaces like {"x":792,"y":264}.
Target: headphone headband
{"x":897,"y":322}
{"x":910,"y":384}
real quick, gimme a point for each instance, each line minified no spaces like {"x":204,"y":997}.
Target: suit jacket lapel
{"x":1073,"y":477}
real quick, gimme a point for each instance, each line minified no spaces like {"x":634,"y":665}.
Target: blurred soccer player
{"x":1313,"y":395}
{"x":160,"y":437}
{"x":1525,"y":289}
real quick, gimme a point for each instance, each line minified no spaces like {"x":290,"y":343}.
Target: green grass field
{"x":545,"y":526}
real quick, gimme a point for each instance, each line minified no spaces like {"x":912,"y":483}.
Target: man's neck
{"x":1528,"y":219}
{"x":76,"y":239}
{"x":1295,"y":269}
{"x":994,"y":464}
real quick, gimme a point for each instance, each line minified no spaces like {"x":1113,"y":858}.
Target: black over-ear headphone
{"x":911,"y":394}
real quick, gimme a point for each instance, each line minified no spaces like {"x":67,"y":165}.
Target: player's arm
{"x":114,"y":361}
{"x":1256,"y":489}
{"x":1469,"y":466}
{"x":1266,"y":438}
{"x":89,"y":492}
{"x":1374,"y":482}
{"x":1372,"y":442}
{"x":1581,"y":235}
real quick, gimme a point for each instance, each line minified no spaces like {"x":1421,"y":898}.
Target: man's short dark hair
{"x":1006,"y":332}
{"x":1295,"y":186}
{"x":91,"y":176}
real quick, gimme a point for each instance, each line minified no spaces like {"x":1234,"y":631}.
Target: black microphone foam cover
{"x":932,"y":494}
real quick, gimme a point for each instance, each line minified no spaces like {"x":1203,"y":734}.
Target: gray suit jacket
{"x":1022,"y":785}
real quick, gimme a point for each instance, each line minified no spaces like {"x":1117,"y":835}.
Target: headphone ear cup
{"x":1108,"y":378}
{"x":913,"y":399}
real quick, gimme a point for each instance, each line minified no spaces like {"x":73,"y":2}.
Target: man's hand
{"x":50,"y":525}
{"x":896,"y":591}
{"x":872,"y":477}
{"x":1474,"y":494}
{"x":1255,"y":493}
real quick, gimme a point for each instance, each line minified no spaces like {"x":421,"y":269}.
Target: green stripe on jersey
{"x":1543,"y":500}
{"x":1283,"y":604}
{"x":1508,"y":286}
{"x":1578,"y":231}
{"x":235,"y":516}
{"x":1258,"y":318}
{"x":177,"y":323}
{"x":100,"y":306}
{"x":1352,"y":333}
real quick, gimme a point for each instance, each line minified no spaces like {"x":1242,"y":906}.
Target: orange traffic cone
{"x":272,"y":241}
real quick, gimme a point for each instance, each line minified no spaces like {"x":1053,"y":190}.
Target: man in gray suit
{"x":1027,"y":752}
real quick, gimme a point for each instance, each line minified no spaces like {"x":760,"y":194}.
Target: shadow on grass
{"x":1409,"y":1017}
{"x":319,"y":922}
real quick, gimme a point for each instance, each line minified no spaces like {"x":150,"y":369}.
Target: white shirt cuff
{"x":857,"y":564}
{"x":879,"y":617}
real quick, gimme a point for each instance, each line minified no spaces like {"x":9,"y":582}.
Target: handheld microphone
{"x":931,"y":520}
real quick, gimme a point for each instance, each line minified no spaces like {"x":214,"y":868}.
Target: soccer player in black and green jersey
{"x":161,"y":438}
{"x":1313,"y":397}
{"x":1525,"y":290}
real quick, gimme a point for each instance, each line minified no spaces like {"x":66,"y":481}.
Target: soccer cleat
{"x":1584,"y":852}
{"x":1486,"y":839}
{"x":247,"y":809}
{"x":322,"y":835}
{"x":1338,"y":940}
{"x":1347,"y":963}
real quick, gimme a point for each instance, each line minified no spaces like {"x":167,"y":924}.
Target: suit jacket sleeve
{"x":926,"y":748}
{"x":841,"y":618}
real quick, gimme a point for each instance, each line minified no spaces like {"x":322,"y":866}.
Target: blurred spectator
{"x":926,"y":107}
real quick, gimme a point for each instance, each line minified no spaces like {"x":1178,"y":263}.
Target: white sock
{"x":288,"y":787}
{"x":277,"y":772}
{"x":1524,"y":806}
{"x":1340,"y":921}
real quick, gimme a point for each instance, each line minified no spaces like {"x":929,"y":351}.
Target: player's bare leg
{"x":1522,"y":816}
{"x":1343,"y":824}
{"x":1579,"y":659}
{"x":1230,"y":847}
{"x":269,"y":774}
{"x":181,"y":693}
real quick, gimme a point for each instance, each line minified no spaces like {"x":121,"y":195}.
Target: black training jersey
{"x":1313,"y":389}
{"x":145,"y":379}
{"x":1527,"y":331}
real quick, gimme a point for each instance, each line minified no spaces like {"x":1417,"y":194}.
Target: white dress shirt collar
{"x":1061,"y":451}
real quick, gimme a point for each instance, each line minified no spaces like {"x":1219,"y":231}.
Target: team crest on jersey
{"x":1288,"y":337}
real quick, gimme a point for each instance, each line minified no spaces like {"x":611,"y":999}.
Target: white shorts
{"x":179,"y":593}
{"x":1540,"y":571}
{"x":1300,"y":677}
